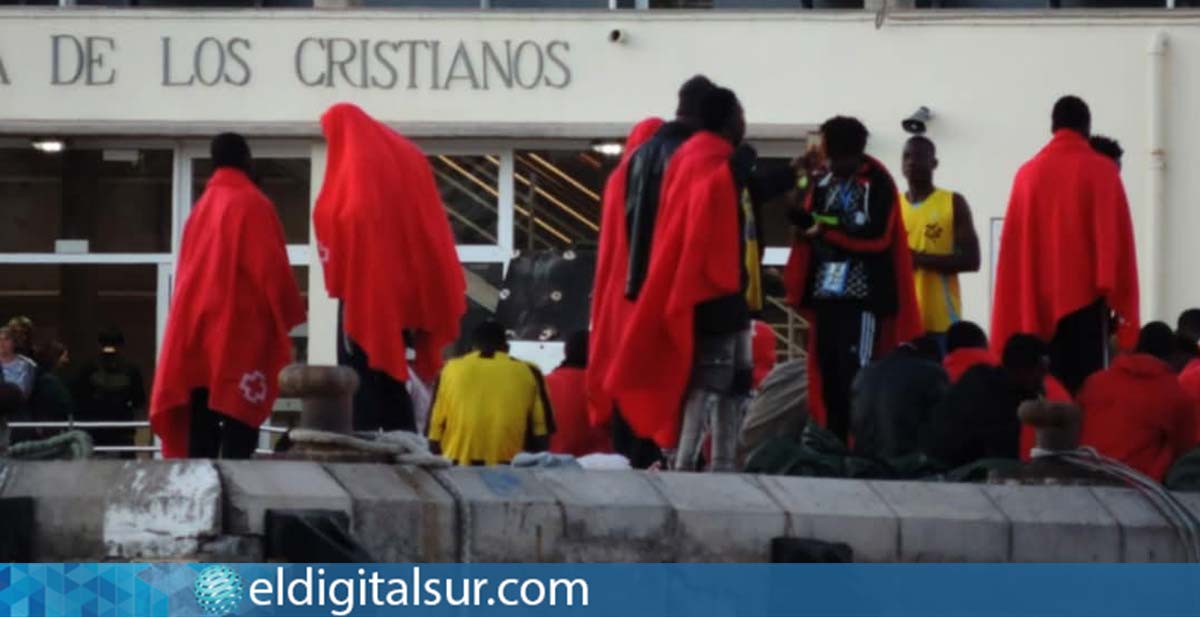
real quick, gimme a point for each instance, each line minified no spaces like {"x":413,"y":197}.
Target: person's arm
{"x":965,"y":257}
{"x":541,"y":416}
{"x":437,"y":419}
{"x":137,"y":389}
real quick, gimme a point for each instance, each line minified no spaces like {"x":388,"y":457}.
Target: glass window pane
{"x":73,"y":303}
{"x":286,"y":181}
{"x":775,"y":228}
{"x":558,"y":196}
{"x":470,"y":189}
{"x":119,"y":201}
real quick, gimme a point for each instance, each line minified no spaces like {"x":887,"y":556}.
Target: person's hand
{"x":815,"y":231}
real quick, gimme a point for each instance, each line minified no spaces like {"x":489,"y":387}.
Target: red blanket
{"x":610,"y":308}
{"x":1067,"y":241}
{"x":905,"y":325}
{"x":385,"y":244}
{"x":235,"y":302}
{"x":695,"y":258}
{"x":1136,"y":412}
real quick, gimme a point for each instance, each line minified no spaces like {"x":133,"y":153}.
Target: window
{"x":557,"y":202}
{"x":470,"y":188}
{"x":107,"y":201}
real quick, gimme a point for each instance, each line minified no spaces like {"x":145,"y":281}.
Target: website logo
{"x":218,"y":590}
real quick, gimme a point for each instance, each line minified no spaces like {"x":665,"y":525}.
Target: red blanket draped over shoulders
{"x":903,"y":326}
{"x":695,"y":258}
{"x":385,"y":244}
{"x":235,"y":301}
{"x":1067,"y":242}
{"x":610,"y":308}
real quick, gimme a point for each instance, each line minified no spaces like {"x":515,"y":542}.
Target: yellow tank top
{"x":930,"y":226}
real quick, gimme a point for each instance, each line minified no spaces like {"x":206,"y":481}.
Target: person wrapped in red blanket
{"x":610,"y":307}
{"x":850,"y":271}
{"x":235,"y":302}
{"x":1067,"y":255}
{"x":388,"y":255}
{"x":1135,"y":411}
{"x":697,"y":259}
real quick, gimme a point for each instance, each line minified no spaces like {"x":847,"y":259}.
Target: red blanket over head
{"x":905,"y":325}
{"x":385,"y":244}
{"x":235,"y":302}
{"x":1067,"y":241}
{"x":695,"y":258}
{"x":610,"y":308}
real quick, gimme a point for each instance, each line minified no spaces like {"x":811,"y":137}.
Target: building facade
{"x":105,"y":115}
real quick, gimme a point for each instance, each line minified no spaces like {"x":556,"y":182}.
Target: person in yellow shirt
{"x":489,"y":406}
{"x":941,"y":235}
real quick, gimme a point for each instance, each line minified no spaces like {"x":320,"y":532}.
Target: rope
{"x":462,"y":517}
{"x":1182,"y":521}
{"x":71,"y":445}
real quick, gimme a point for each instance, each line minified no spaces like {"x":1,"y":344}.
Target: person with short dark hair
{"x":978,"y":417}
{"x":1067,"y":258}
{"x":1107,"y":146}
{"x":892,"y":397}
{"x":1187,"y":331}
{"x":567,"y":387}
{"x":234,"y":305}
{"x":1135,"y":411}
{"x":17,"y":369}
{"x":644,"y":171}
{"x":1188,"y":325}
{"x":489,"y":406}
{"x":688,"y":341}
{"x":110,"y":388}
{"x":941,"y":235}
{"x":51,"y":400}
{"x":850,"y":271}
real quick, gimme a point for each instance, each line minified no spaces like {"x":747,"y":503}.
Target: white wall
{"x":990,"y":81}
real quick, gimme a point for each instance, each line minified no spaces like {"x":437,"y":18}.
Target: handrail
{"x":102,"y":424}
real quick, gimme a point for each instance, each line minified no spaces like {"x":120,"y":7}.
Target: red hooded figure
{"x":235,"y":302}
{"x":385,"y":244}
{"x":610,"y":308}
{"x":695,"y":257}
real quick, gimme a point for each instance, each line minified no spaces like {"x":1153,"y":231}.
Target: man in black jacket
{"x":892,"y":398}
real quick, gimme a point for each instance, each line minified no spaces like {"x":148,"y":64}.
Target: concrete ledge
{"x":838,"y":511}
{"x":612,"y":516}
{"x":946,"y":522}
{"x":400,"y":513}
{"x":197,"y":510}
{"x":108,"y":509}
{"x":253,"y":487}
{"x":722,"y":517}
{"x":510,"y":515}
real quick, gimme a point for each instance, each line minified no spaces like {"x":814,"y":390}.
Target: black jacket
{"x":977,"y":419}
{"x":891,"y":401}
{"x":647,"y":167}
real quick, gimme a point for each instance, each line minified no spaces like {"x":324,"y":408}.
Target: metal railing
{"x":133,"y":424}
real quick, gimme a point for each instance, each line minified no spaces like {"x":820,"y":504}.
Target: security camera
{"x":915,"y":123}
{"x":617,"y":35}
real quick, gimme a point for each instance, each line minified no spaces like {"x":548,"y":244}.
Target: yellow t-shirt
{"x":930,"y":226}
{"x":485,"y":407}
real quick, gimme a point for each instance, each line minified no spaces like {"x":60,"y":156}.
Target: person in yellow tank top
{"x":941,"y":235}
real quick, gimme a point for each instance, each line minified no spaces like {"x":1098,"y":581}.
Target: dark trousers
{"x":1080,"y":346}
{"x":381,"y":402}
{"x":642,"y":453}
{"x":213,"y":435}
{"x":845,"y":343}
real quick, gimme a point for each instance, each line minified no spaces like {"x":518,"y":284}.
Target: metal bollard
{"x":1057,"y":426}
{"x":326,"y":394}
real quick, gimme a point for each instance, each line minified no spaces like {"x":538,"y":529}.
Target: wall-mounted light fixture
{"x":608,"y":147}
{"x":49,"y":146}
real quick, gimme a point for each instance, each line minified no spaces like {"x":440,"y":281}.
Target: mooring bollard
{"x":1056,"y":425}
{"x":326,"y":395}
